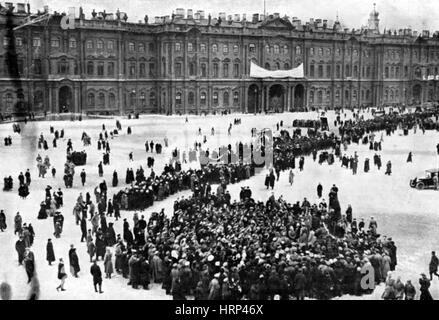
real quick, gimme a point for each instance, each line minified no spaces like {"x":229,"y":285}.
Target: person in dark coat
{"x":96,"y":272}
{"x":50,"y":254}
{"x":267,"y":181}
{"x":100,"y":248}
{"x":100,"y":169}
{"x":299,"y":285}
{"x":74,"y":261}
{"x":83,"y":177}
{"x":116,"y":210}
{"x":144,"y":273}
{"x":366,"y":165}
{"x":29,"y":264}
{"x":434,"y":263}
{"x":20,"y":246}
{"x":410,"y":157}
{"x":110,"y":235}
{"x":319,"y":190}
{"x":83,"y":229}
{"x":115,"y":179}
{"x":389,"y":168}
{"x":425,"y":285}
{"x":3,"y":225}
{"x":272,"y":180}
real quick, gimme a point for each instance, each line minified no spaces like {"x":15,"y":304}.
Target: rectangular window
{"x":225,"y":70}
{"x":190,"y":47}
{"x":203,"y":47}
{"x":19,"y":42}
{"x":36,"y":42}
{"x":141,"y":47}
{"x":311,"y":71}
{"x":215,"y":70}
{"x":72,"y":43}
{"x":178,"y":69}
{"x":110,"y":45}
{"x":252,"y":48}
{"x":151,"y":69}
{"x":100,"y":69}
{"x":110,"y":69}
{"x":89,"y":44}
{"x":131,"y":47}
{"x":226,"y":49}
{"x":54,"y":43}
{"x":236,"y":70}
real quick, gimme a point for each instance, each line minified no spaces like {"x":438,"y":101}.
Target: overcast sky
{"x":417,"y":14}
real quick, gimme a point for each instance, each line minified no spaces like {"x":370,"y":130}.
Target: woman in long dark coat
{"x":42,"y":214}
{"x":74,"y":262}
{"x":50,"y":254}
{"x":3,"y":225}
{"x":115,"y":179}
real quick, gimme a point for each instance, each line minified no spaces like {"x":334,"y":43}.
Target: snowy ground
{"x":408,"y":215}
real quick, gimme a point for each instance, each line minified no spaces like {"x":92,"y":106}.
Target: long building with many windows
{"x":190,"y":63}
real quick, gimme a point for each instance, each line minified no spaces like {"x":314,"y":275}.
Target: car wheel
{"x":420,"y":186}
{"x":412,"y":184}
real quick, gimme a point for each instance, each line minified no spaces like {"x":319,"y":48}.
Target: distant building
{"x":193,"y":63}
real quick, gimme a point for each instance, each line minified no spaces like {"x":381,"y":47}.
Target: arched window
{"x":277,"y":66}
{"x":191,"y":98}
{"x":72,"y":43}
{"x":267,"y":66}
{"x":142,"y":70}
{"x":354,"y":95}
{"x":251,"y":48}
{"x":235,"y":49}
{"x":320,"y":52}
{"x":328,"y":96}
{"x":100,"y":44}
{"x":328,"y":71}
{"x":131,"y":47}
{"x":235,"y":97}
{"x":298,"y":50}
{"x":392,"y":95}
{"x":355,"y":71}
{"x":285,"y":51}
{"x":203,"y":70}
{"x":267,"y":48}
{"x":311,"y":71}
{"x":276,"y":49}
{"x":225,"y":70}
{"x":151,"y":47}
{"x":214,"y":47}
{"x":91,"y":99}
{"x":367,"y":94}
{"x":337,"y":95}
{"x":386,"y":72}
{"x":38,"y":69}
{"x":348,"y":71}
{"x":338,"y":71}
{"x":203,"y":98}
{"x":286,"y":66}
{"x":178,"y":98}
{"x":112,"y":100}
{"x":386,"y":95}
{"x":90,"y":68}
{"x":215,"y":98}
{"x":101,"y":100}
{"x":226,"y":99}
{"x":311,"y":96}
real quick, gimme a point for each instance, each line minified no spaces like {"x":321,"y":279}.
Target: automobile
{"x":428,"y":182}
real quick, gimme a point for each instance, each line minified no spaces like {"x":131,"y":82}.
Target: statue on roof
{"x":118,"y":14}
{"x":125,"y":17}
{"x":93,"y":13}
{"x":146,"y":19}
{"x":209,"y":19}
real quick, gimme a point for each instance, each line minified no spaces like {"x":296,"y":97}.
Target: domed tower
{"x":374,"y":21}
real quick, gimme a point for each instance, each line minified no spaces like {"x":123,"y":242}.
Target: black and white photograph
{"x":222,"y":151}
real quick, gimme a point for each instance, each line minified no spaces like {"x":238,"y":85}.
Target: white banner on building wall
{"x":258,"y":72}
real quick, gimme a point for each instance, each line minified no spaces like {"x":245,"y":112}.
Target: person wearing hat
{"x":214,"y":288}
{"x":62,"y":275}
{"x":425,"y":285}
{"x":74,"y":261}
{"x":96,"y":272}
{"x":410,"y":291}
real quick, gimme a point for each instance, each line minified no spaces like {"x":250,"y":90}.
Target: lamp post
{"x":256,"y":98}
{"x":135,"y":100}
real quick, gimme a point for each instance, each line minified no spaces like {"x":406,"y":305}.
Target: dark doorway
{"x":65,"y":99}
{"x":276,"y":98}
{"x":252,"y":101}
{"x":417,"y":93}
{"x":299,"y":94}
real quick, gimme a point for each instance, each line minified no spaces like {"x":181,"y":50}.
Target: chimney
{"x":276,"y":15}
{"x":46,"y":9}
{"x":179,"y":12}
{"x":425,"y":33}
{"x":21,"y":8}
{"x":244,"y":16}
{"x":168,"y":19}
{"x":255,"y":18}
{"x":262,"y":17}
{"x":197,"y":15}
{"x":236,"y":17}
{"x":190,"y":14}
{"x":229,"y":18}
{"x":9,"y":5}
{"x":157,"y":20}
{"x":222,"y":15}
{"x":202,"y":14}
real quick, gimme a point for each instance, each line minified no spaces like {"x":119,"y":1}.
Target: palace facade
{"x":190,"y":63}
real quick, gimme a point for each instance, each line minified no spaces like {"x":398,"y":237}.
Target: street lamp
{"x":256,"y":98}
